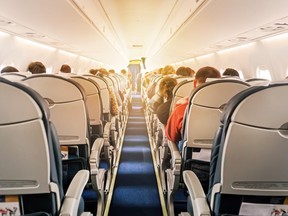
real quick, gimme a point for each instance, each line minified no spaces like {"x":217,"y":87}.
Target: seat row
{"x":207,"y":103}
{"x":89,"y":137}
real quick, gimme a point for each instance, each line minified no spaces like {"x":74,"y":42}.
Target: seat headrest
{"x":21,"y":106}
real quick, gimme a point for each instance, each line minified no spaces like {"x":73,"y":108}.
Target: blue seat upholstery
{"x":248,"y":159}
{"x":30,"y":157}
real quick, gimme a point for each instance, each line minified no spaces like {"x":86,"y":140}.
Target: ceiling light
{"x":5,"y":22}
{"x":137,"y":45}
{"x":272,"y":28}
{"x":33,"y":35}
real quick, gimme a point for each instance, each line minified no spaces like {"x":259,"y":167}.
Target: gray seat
{"x":69,"y":114}
{"x":200,"y":123}
{"x":30,"y":158}
{"x":93,"y":104}
{"x":248,"y":161}
{"x":15,"y":76}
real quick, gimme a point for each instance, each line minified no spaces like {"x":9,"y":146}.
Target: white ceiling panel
{"x":162,"y":31}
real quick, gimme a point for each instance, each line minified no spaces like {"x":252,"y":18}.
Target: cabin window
{"x":264,"y":73}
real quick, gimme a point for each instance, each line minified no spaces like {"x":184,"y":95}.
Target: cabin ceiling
{"x":163,"y":31}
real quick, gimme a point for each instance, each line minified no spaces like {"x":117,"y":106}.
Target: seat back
{"x":104,"y":95}
{"x":181,"y":90}
{"x":249,"y":155}
{"x":183,"y":78}
{"x":257,"y":81}
{"x":201,"y":121}
{"x":30,"y":159}
{"x":66,"y":99}
{"x":15,"y":76}
{"x":93,"y":103}
{"x":206,"y":103}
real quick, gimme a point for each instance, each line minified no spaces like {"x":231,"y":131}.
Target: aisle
{"x":135,"y":191}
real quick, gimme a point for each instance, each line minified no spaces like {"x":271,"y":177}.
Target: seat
{"x":69,"y":114}
{"x":97,"y":129}
{"x":15,"y":76}
{"x":104,"y":93}
{"x":30,"y":158}
{"x":200,"y":123}
{"x":257,"y":81}
{"x":115,"y":131}
{"x":181,"y":90}
{"x":94,"y":105}
{"x":248,"y":160}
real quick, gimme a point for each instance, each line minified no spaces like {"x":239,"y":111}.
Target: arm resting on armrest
{"x":196,"y":192}
{"x":74,"y":193}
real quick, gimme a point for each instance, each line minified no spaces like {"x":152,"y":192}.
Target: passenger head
{"x":230,"y":72}
{"x":9,"y":69}
{"x":204,"y":73}
{"x":185,"y":71}
{"x":158,"y":71}
{"x":166,"y":86}
{"x":103,"y":71}
{"x":36,"y":67}
{"x":168,"y":69}
{"x":65,"y":68}
{"x":93,"y":71}
{"x":124,"y":72}
{"x":111,"y":71}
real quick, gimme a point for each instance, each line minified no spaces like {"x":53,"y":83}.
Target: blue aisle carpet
{"x":135,"y":191}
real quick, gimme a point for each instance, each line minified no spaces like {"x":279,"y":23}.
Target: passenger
{"x":139,"y":79}
{"x":65,"y":71}
{"x":93,"y":71}
{"x":36,"y":68}
{"x":166,"y":87}
{"x":185,"y":71}
{"x":167,"y":70}
{"x":231,"y":72}
{"x":8,"y":69}
{"x":111,"y":71}
{"x":174,"y":124}
{"x":126,"y":74}
{"x":65,"y":68}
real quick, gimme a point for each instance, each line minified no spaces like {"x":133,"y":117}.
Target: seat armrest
{"x":94,"y":159}
{"x":86,"y":214}
{"x":175,"y":156}
{"x":181,"y":214}
{"x":73,"y":195}
{"x":196,"y":192}
{"x":97,"y":175}
{"x":106,"y":133}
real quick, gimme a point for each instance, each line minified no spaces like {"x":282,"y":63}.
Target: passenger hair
{"x":65,"y":68}
{"x":206,"y":72}
{"x":185,"y":71}
{"x":168,"y":69}
{"x":36,"y":67}
{"x":111,"y":71}
{"x":230,"y":72}
{"x":166,"y":87}
{"x":123,"y":71}
{"x":103,"y":71}
{"x":9,"y":69}
{"x":93,"y":71}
